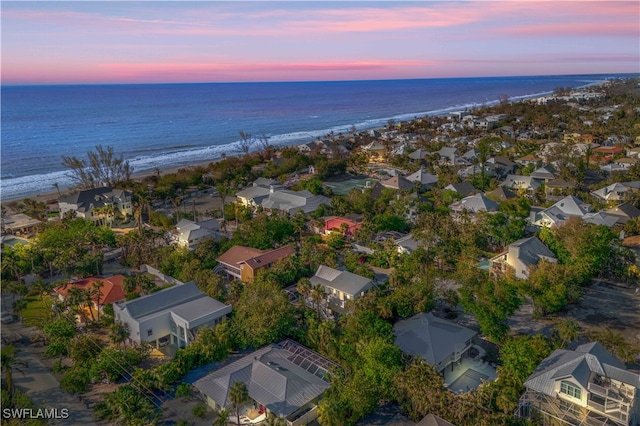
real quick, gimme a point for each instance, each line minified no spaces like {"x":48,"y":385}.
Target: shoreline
{"x":49,"y":196}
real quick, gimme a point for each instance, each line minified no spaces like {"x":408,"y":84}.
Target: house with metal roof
{"x":171,"y":315}
{"x":433,"y":420}
{"x":561,"y":211}
{"x":340,"y":286}
{"x":285,"y":379}
{"x":586,"y":386}
{"x":521,"y":183}
{"x":189,"y":233}
{"x":293,"y":201}
{"x":521,"y":256}
{"x":424,"y":179}
{"x":616,"y":191}
{"x":474,"y":204}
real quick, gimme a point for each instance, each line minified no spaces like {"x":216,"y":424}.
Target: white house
{"x":341,"y":286}
{"x":522,"y":255}
{"x":587,"y":386}
{"x":171,"y":315}
{"x":84,"y":203}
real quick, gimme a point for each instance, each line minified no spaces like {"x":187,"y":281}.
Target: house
{"x":399,"y":183}
{"x":375,"y":151}
{"x":601,"y":218}
{"x":617,"y":191}
{"x":433,"y":420}
{"x":419,"y":154}
{"x":474,"y":204}
{"x":529,"y":160}
{"x":422,"y":178}
{"x":97,"y":203}
{"x":585,"y":386}
{"x":350,"y":224}
{"x":462,"y":188}
{"x":285,"y":379}
{"x":521,"y":256}
{"x":520,"y":183}
{"x":189,"y":233}
{"x":111,"y":290}
{"x":293,"y":201}
{"x":624,"y":212}
{"x":556,"y":189}
{"x":501,"y":194}
{"x":340,"y":286}
{"x":243,"y":263}
{"x":173,"y":314}
{"x":558,"y":213}
{"x":544,"y":173}
{"x":501,"y":165}
{"x":437,"y":341}
{"x":19,"y":224}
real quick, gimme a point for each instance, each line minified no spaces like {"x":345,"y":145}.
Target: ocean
{"x":167,"y":125}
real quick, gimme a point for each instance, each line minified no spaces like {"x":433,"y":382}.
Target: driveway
{"x":42,"y":386}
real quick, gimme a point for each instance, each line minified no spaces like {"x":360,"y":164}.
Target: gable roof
{"x":345,"y":281}
{"x":501,"y":193}
{"x":545,"y":172}
{"x":579,"y":364}
{"x":238,"y":254}
{"x":292,"y":201}
{"x":282,"y":376}
{"x":572,"y":206}
{"x":419,"y":154}
{"x":269,"y":257}
{"x":520,"y":181}
{"x":530,"y":250}
{"x":431,"y":338}
{"x":624,"y":211}
{"x":463,"y":188}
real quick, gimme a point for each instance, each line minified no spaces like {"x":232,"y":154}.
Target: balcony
{"x":611,"y":391}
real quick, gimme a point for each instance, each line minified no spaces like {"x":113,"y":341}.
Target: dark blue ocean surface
{"x":164,"y":125}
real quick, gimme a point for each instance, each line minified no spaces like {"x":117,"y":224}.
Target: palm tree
{"x":9,"y":361}
{"x":118,"y":333}
{"x":566,"y":330}
{"x":223,"y":418}
{"x":304,"y":288}
{"x":97,"y":285}
{"x":238,"y":394}
{"x":318,"y":294}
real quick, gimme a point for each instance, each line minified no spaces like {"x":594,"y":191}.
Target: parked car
{"x":6,"y":318}
{"x":163,"y":341}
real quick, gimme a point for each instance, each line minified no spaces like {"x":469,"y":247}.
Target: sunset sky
{"x":203,"y":41}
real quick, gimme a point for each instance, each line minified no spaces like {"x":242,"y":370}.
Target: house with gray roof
{"x":85,"y":203}
{"x":189,"y":233}
{"x":462,"y":188}
{"x":424,"y":179}
{"x":285,"y":379}
{"x":474,"y":204}
{"x":340,"y":286}
{"x":437,"y":341}
{"x":171,"y":315}
{"x":616,"y":191}
{"x":544,"y":173}
{"x":433,"y":420}
{"x":521,"y":256}
{"x":521,"y":183}
{"x":586,"y":386}
{"x":624,"y":212}
{"x":292,"y":201}
{"x":561,"y":211}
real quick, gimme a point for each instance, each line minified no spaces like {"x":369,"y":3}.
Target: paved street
{"x":42,"y":386}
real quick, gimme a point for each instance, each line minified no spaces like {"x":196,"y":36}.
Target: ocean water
{"x":166,"y":125}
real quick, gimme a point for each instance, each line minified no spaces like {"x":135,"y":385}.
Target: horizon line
{"x":306,"y":81}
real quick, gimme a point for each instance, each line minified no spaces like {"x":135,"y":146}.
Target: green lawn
{"x":36,"y":311}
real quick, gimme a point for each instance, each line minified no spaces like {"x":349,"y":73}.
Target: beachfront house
{"x":585,"y":386}
{"x":521,"y":256}
{"x":283,"y":379}
{"x":97,"y":204}
{"x":244,"y":263}
{"x":170,"y":316}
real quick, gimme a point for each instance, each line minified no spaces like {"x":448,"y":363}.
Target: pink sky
{"x":150,"y":42}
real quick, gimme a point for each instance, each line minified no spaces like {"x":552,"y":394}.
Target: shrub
{"x":200,"y":410}
{"x":184,"y":389}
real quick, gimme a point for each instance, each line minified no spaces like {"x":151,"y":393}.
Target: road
{"x":42,"y":386}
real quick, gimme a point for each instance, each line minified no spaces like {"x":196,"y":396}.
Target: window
{"x":570,"y":389}
{"x":150,"y":332}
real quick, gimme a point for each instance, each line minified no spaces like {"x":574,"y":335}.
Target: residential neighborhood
{"x":478,"y":267}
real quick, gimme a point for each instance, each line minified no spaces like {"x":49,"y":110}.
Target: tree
{"x":118,"y":333}
{"x":9,"y":361}
{"x":101,"y":168}
{"x":420,"y":390}
{"x":318,"y":293}
{"x":238,"y":394}
{"x":222,"y":419}
{"x":304,"y":289}
{"x":263,"y":313}
{"x":127,"y":405}
{"x":566,"y":330}
{"x":246,"y":140}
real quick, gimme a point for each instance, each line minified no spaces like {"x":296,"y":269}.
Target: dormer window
{"x":570,"y":389}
